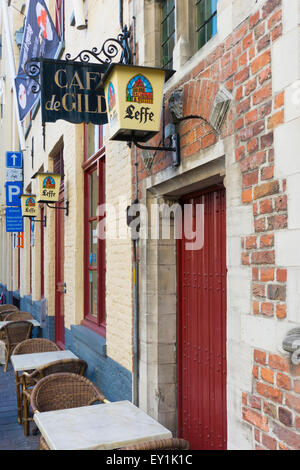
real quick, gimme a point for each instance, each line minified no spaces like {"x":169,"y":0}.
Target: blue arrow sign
{"x":14,"y":160}
{"x":14,"y":219}
{"x":13,"y":193}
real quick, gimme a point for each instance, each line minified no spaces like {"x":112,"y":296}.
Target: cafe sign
{"x":29,"y":205}
{"x":134,"y":98}
{"x":72,"y":91}
{"x":47,"y":188}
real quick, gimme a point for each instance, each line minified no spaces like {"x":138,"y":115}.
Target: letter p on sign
{"x":13,"y":193}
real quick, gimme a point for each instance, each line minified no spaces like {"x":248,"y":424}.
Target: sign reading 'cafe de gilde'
{"x":72,"y":91}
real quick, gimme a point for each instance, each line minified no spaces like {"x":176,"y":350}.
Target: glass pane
{"x":93,"y":293}
{"x":93,"y":193}
{"x":93,"y":243}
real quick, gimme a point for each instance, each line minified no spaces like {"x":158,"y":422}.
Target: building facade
{"x":192,"y":323}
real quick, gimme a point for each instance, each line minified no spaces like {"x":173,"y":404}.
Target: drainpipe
{"x":136,"y":277}
{"x":12,"y":70}
{"x":121,"y":13}
{"x":136,"y":309}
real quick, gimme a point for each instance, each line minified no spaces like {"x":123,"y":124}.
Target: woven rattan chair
{"x":75,"y":366}
{"x":160,"y":444}
{"x":62,"y":391}
{"x":6,"y":309}
{"x":30,"y":346}
{"x":15,"y":316}
{"x":15,"y":332}
{"x":10,"y":307}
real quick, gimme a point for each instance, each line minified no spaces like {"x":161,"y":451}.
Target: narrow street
{"x":11,"y":433}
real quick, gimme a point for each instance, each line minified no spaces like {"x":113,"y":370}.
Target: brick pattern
{"x":273,"y":409}
{"x":243,"y":64}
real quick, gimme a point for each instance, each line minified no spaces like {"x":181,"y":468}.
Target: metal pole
{"x":12,"y":70}
{"x":136,"y":336}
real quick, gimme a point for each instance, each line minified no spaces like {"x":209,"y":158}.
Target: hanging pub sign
{"x":29,"y":205}
{"x":72,"y":91}
{"x":48,"y":185}
{"x":134,"y":98}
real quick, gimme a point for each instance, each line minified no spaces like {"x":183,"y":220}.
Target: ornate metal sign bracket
{"x":111,"y":49}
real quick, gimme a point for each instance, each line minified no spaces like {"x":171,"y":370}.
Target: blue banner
{"x":40,"y":39}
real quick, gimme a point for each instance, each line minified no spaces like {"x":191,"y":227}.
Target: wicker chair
{"x":160,"y":444}
{"x":62,"y":391}
{"x":15,"y":332}
{"x":10,"y":307}
{"x":30,"y":346}
{"x":29,"y":380}
{"x":6,"y":309}
{"x":15,"y":316}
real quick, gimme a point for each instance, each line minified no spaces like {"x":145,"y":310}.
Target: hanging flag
{"x":40,"y":39}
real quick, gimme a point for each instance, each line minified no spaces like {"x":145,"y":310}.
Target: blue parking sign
{"x":13,"y":193}
{"x":14,"y":160}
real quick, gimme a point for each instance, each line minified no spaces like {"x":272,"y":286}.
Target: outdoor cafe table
{"x":32,"y":361}
{"x":98,"y":427}
{"x":22,"y":362}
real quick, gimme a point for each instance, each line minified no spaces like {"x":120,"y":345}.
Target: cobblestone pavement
{"x":11,"y":433}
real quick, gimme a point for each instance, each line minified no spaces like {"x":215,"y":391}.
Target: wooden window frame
{"x":164,"y":41}
{"x":93,"y":163}
{"x":205,"y":23}
{"x":60,"y":18}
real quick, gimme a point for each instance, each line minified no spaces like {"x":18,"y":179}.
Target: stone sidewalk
{"x":11,"y":433}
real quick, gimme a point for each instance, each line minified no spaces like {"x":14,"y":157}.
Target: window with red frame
{"x":94,"y":219}
{"x":60,"y":18}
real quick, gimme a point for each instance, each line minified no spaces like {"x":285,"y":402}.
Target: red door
{"x":59,"y":273}
{"x":202,"y":327}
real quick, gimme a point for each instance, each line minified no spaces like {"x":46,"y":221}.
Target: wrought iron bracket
{"x":66,"y":208}
{"x":42,"y":221}
{"x":110,"y":50}
{"x":174,"y":148}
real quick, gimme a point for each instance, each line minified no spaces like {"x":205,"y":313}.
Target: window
{"x":206,"y":26}
{"x":42,"y":212}
{"x":94,"y":246}
{"x":60,"y":18}
{"x":168,"y":33}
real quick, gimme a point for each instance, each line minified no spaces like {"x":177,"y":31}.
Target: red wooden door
{"x":202,"y":329}
{"x":59,"y":273}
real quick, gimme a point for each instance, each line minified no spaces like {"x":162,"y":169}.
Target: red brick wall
{"x":243,"y":64}
{"x":273,"y":409}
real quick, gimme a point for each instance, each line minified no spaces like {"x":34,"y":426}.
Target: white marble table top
{"x":23,"y":362}
{"x":98,"y":427}
{"x":4,"y":322}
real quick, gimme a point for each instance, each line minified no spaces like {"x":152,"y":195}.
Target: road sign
{"x":14,"y":219}
{"x":14,"y":174}
{"x":14,"y":160}
{"x":13,"y":193}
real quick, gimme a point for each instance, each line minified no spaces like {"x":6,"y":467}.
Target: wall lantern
{"x":48,"y":185}
{"x":134,"y":99}
{"x":29,"y":207}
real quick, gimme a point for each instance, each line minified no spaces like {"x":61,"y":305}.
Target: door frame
{"x":59,"y":213}
{"x":179,"y":304}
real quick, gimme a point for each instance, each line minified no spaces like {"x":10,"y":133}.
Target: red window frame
{"x":42,"y":254}
{"x":91,"y":164}
{"x":60,"y":18}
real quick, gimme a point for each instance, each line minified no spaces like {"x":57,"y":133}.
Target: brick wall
{"x":243,"y":64}
{"x":273,"y":408}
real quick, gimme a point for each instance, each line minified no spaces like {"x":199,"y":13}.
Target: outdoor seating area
{"x":69,"y":411}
